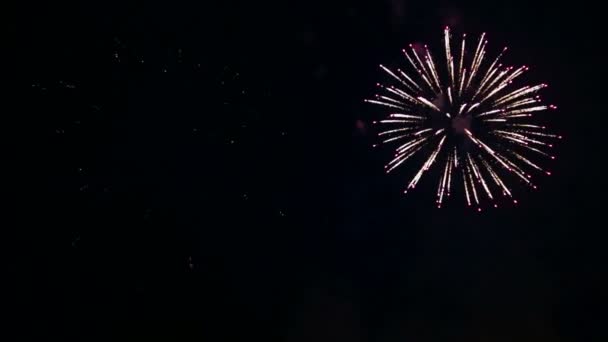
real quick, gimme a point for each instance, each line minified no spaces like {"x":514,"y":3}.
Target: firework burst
{"x":467,"y":119}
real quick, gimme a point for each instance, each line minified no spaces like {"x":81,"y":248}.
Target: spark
{"x":410,"y":80}
{"x":491,"y":70}
{"x":406,"y":116}
{"x":461,"y":108}
{"x":462,"y":78}
{"x":428,"y":103}
{"x":390,"y":100}
{"x":490,"y":112}
{"x":407,"y":146}
{"x":526,"y":160}
{"x":472,"y":182}
{"x":396,"y":121}
{"x":496,"y":178}
{"x":448,"y":56}
{"x":403,"y":95}
{"x":396,"y":130}
{"x":431,"y":64}
{"x":426,"y":165}
{"x":466,"y":188}
{"x":396,"y":138}
{"x":388,"y":71}
{"x":479,"y":176}
{"x":460,"y":70}
{"x":422,"y":71}
{"x":385,"y":104}
{"x":479,"y":53}
{"x":407,"y":153}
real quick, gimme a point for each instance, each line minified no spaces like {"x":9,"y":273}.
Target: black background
{"x":154,"y":202}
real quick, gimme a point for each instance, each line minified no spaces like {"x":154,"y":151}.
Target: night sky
{"x":198,"y":171}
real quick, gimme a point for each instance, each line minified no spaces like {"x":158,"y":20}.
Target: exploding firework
{"x":467,"y":117}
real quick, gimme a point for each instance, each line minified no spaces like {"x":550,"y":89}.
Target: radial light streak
{"x":410,"y":80}
{"x":385,"y":104}
{"x":472,"y":182}
{"x":463,"y":113}
{"x":479,"y":52}
{"x":480,"y":177}
{"x":466,"y":188}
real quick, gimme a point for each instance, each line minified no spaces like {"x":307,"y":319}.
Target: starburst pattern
{"x":467,"y":118}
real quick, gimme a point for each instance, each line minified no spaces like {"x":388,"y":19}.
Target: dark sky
{"x":203,"y":172}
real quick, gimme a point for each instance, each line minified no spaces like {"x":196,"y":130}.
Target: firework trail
{"x":464,"y":114}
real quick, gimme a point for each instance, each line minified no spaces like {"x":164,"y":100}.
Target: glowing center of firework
{"x":461,"y":123}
